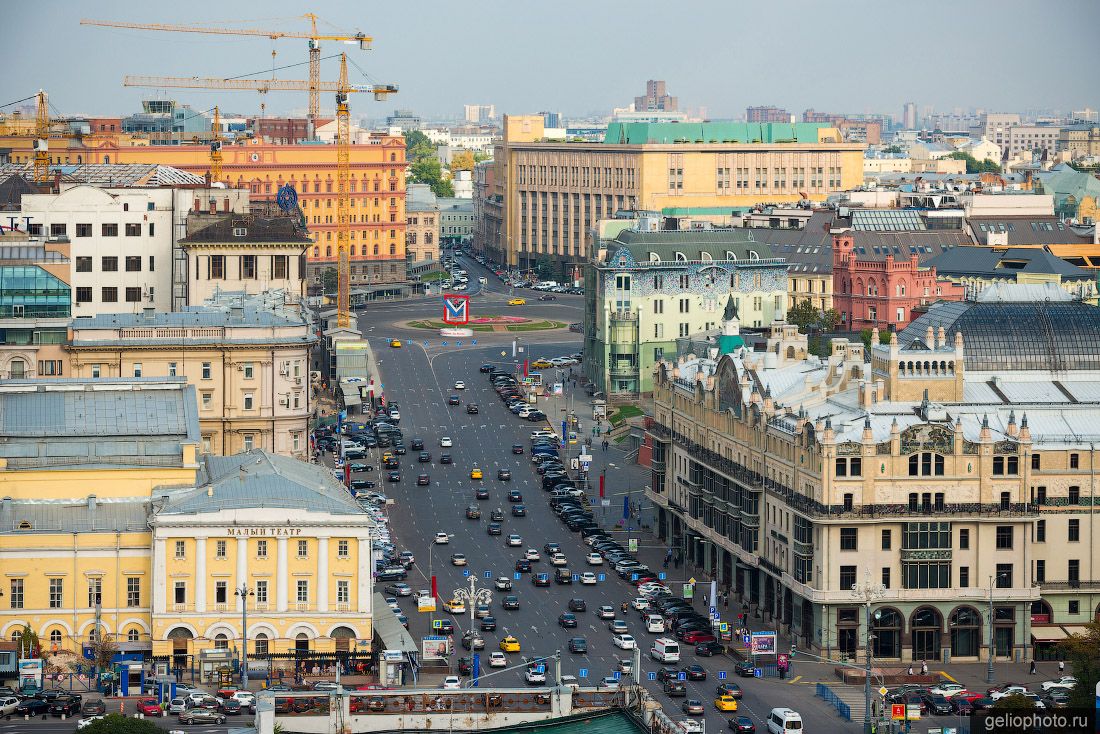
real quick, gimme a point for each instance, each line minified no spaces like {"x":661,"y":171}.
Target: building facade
{"x":456,"y":220}
{"x":134,"y":537}
{"x":35,"y":307}
{"x":248,"y":358}
{"x":553,"y":193}
{"x":648,"y":289}
{"x":655,"y":98}
{"x":422,"y":227}
{"x":794,"y":479}
{"x":1080,"y":141}
{"x":767,"y":114}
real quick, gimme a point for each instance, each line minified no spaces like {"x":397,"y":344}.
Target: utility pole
{"x":992,"y":644}
{"x":244,"y":592}
{"x":867,"y":593}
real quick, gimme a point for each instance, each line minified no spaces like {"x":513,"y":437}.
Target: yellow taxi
{"x":509,"y":644}
{"x":476,"y":473}
{"x":541,"y":364}
{"x":517,"y":302}
{"x":395,"y":343}
{"x":725,"y":703}
{"x":455,"y":606}
{"x":387,"y":455}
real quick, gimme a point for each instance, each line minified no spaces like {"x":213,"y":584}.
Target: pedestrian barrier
{"x":822,"y":691}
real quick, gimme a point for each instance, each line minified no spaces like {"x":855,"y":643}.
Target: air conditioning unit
{"x":298,"y":380}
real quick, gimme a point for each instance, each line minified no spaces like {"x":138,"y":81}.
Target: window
{"x":181,"y":549}
{"x":964,"y":539}
{"x":133,"y":294}
{"x":249,"y":398}
{"x":1074,"y":496}
{"x":847,"y":577}
{"x":95,"y":592}
{"x":1004,"y":537}
{"x":221,"y":592}
{"x":109,"y":230}
{"x":1074,"y":606}
{"x":207,"y":400}
{"x":248,"y":266}
{"x":886,"y":539}
{"x":1005,"y":465}
{"x":57,"y":593}
{"x":15,"y":594}
{"x":303,"y":591}
{"x":172,"y":369}
{"x":220,"y":549}
{"x":1073,"y":531}
{"x":848,"y":539}
{"x":109,"y":264}
{"x":109,"y":295}
{"x":206,"y":370}
{"x":925,"y":464}
{"x":342,"y":549}
{"x":280,"y":266}
{"x":303,"y":549}
{"x":137,"y":369}
{"x":1041,"y":531}
{"x":964,"y":576}
{"x":1036,"y":461}
{"x":261,"y":549}
{"x":133,"y":591}
{"x":133,"y":635}
{"x":886,"y":576}
{"x":249,"y":442}
{"x":1004,"y":575}
{"x":96,"y":370}
{"x":216,"y":269}
{"x":343,"y":592}
{"x":249,"y":370}
{"x":55,"y":637}
{"x":83,"y":294}
{"x":261,"y":592}
{"x":1074,"y":461}
{"x":84,"y":265}
{"x":1040,"y":571}
{"x":83,"y":230}
{"x":659,"y":305}
{"x":855,"y":467}
{"x":133,"y":263}
{"x":685,"y":305}
{"x":181,"y":592}
{"x":842,"y":467}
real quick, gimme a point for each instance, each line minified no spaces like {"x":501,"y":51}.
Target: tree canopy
{"x":1083,"y":653}
{"x":973,"y":165}
{"x":806,"y":316}
{"x":330,"y":280}
{"x":463,"y":161}
{"x":119,"y":724}
{"x":429,"y":171}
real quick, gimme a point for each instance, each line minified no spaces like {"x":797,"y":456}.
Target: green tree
{"x":29,"y":645}
{"x":479,"y":157}
{"x":417,"y":146}
{"x":429,"y":171}
{"x":1083,"y":653}
{"x":103,"y":649}
{"x":1015,"y":702}
{"x":462,"y":161}
{"x":544,"y":268}
{"x":803,"y":315}
{"x":973,"y":165}
{"x":893,"y":149}
{"x":866,"y":334}
{"x":330,"y":280}
{"x":829,"y":320}
{"x":119,"y":724}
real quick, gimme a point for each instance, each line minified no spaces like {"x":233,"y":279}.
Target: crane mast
{"x":343,"y":202}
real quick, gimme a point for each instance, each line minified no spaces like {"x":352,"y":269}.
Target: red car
{"x":694,"y":638}
{"x":148,"y":707}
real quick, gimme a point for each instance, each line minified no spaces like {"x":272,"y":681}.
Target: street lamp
{"x":244,"y":592}
{"x":992,"y":648}
{"x":867,"y":593}
{"x":473,"y":597}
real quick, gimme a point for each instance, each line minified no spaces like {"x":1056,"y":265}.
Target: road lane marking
{"x":796,"y":679}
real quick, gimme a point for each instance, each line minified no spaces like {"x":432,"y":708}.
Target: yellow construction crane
{"x":314,"y":85}
{"x":216,"y":147}
{"x":342,"y":88}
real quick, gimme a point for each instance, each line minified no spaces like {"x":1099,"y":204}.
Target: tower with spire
{"x":730,"y":340}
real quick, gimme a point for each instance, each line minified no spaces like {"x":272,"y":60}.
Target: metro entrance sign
{"x":456,"y":309}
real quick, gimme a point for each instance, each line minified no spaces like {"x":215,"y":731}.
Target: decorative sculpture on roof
{"x":730,"y":313}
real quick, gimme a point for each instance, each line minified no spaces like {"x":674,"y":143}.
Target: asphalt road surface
{"x":54,"y":725}
{"x":419,"y":379}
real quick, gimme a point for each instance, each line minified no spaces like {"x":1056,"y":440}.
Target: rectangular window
{"x":842,"y":467}
{"x":1040,"y":571}
{"x":109,"y":230}
{"x":1004,"y":537}
{"x":57,"y":593}
{"x":133,"y":230}
{"x":249,"y":442}
{"x":249,"y":370}
{"x":303,"y":591}
{"x":1041,"y":531}
{"x":137,"y":369}
{"x":659,"y":305}
{"x":248,"y":400}
{"x":886,"y":539}
{"x":133,"y":294}
{"x":886,"y":576}
{"x":96,"y":370}
{"x":1074,"y":496}
{"x":133,"y":591}
{"x":133,"y":263}
{"x":855,"y":467}
{"x":83,"y":294}
{"x":261,"y":592}
{"x":847,"y":577}
{"x":206,"y":370}
{"x":280,"y":266}
{"x":303,"y":549}
{"x":964,"y":577}
{"x":83,"y":230}
{"x":15,"y":594}
{"x":109,"y":264}
{"x":261,"y":549}
{"x":207,"y":400}
{"x":1073,"y":531}
{"x":342,"y":550}
{"x":848,"y":539}
{"x":216,"y":268}
{"x":181,"y":592}
{"x":1036,"y":461}
{"x":685,"y":305}
{"x":248,"y":266}
{"x":343,"y":592}
{"x":220,"y":549}
{"x":964,"y":539}
{"x":95,"y":592}
{"x":1074,"y":606}
{"x":1004,"y":575}
{"x":173,"y":369}
{"x":1074,"y":461}
{"x":84,"y":265}
{"x":181,"y":549}
{"x":109,"y":295}
{"x":221,"y":592}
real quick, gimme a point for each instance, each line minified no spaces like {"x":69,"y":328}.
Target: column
{"x":281,"y":577}
{"x":242,"y":568}
{"x":322,"y":573}
{"x":200,"y":574}
{"x":159,"y":580}
{"x":364,"y":575}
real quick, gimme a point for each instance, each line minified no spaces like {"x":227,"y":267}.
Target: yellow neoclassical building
{"x":113,"y":523}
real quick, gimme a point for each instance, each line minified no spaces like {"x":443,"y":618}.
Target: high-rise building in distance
{"x":656,"y":98}
{"x":909,"y":115}
{"x":479,"y":113}
{"x":767,"y":114}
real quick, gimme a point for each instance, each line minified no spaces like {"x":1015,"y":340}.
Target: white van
{"x":782,"y":720}
{"x":665,"y":650}
{"x":655,"y":623}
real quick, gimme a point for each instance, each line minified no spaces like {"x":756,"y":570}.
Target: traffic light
{"x":793,"y":650}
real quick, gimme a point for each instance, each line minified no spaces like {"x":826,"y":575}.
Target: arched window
{"x":966,"y":632}
{"x":55,"y":636}
{"x":886,"y":624}
{"x":328,"y":251}
{"x":926,"y":625}
{"x":221,"y":642}
{"x":754,"y":255}
{"x":301,"y":642}
{"x":730,"y":255}
{"x":681,"y":257}
{"x":133,"y":635}
{"x":261,"y":644}
{"x":705,"y":257}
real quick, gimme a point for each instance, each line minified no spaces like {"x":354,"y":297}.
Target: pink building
{"x":882,"y":292}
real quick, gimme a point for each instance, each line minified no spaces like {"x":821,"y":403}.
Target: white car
{"x":624,"y":641}
{"x":558,"y":559}
{"x":534,"y":677}
{"x":531,"y":555}
{"x":690,"y":726}
{"x":1009,"y":691}
{"x":947,"y":690}
{"x":460,"y":385}
{"x":446,"y":442}
{"x":458,"y":559}
{"x":84,"y":723}
{"x":594,"y":559}
{"x":452,"y":682}
{"x":1065,"y":682}
{"x":543,"y":434}
{"x":395,"y":415}
{"x":524,"y":412}
{"x":588,"y":578}
{"x":442,"y":538}
{"x":8,"y":705}
{"x":503,"y":583}
{"x":610,"y":683}
{"x":515,"y":540}
{"x":498,"y":659}
{"x":655,"y":623}
{"x":640,"y":603}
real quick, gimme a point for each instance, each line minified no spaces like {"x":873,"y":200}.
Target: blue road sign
{"x":582,"y":673}
{"x":576,"y":577}
{"x":651,"y":675}
{"x":601,"y":577}
{"x":458,"y":344}
{"x":540,"y":668}
{"x":744,"y":639}
{"x":473,"y":341}
{"x":715,"y":616}
{"x":662,"y":576}
{"x":681,"y":675}
{"x":713,"y":610}
{"x":488,"y":574}
{"x":721,"y":675}
{"x":757,"y":673}
{"x":633,"y":577}
{"x":517,"y":576}
{"x":617,"y":675}
{"x":466,"y":572}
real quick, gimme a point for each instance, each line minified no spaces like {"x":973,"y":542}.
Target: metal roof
{"x":642,"y":133}
{"x":692,"y":243}
{"x":1027,"y":230}
{"x":68,"y":516}
{"x":114,"y":174}
{"x":1001,"y":262}
{"x":248,"y":228}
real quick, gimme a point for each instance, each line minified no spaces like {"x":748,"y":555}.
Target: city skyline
{"x":712,"y":66}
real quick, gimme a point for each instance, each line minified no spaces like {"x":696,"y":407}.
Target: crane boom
{"x":257,"y":85}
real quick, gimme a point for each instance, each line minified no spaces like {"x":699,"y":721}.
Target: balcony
{"x":623,"y":316}
{"x":1086,"y":585}
{"x":750,"y":521}
{"x":925,"y":554}
{"x":624,"y":369}
{"x":974,"y":595}
{"x":802,"y":549}
{"x":343,"y":607}
{"x":810,"y":506}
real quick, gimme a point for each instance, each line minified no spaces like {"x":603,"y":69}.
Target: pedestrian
{"x":1061,"y":667}
{"x":1032,"y":670}
{"x":910,"y":669}
{"x":924,"y":667}
{"x":726,"y":601}
{"x":666,"y":562}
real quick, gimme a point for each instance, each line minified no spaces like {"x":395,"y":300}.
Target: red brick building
{"x":882,"y":292}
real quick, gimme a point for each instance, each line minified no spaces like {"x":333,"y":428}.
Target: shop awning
{"x":389,"y":629}
{"x":1048,"y":634}
{"x":1075,"y":629}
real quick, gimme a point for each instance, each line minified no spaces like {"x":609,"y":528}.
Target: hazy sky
{"x":579,"y":57}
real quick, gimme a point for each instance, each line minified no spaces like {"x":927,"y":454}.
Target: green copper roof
{"x":640,"y":133}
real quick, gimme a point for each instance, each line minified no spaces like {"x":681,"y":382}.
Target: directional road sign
{"x":722,"y":675}
{"x":582,"y":673}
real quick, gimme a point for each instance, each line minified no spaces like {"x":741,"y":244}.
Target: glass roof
{"x":887,"y":220}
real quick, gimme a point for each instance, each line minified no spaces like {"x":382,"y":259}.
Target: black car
{"x":493,"y":528}
{"x":515,"y":496}
{"x":230,"y":706}
{"x":481,"y":493}
{"x":417,"y":444}
{"x":695,"y":672}
{"x":423,"y":480}
{"x":578,"y":645}
{"x":32,"y":707}
{"x":567,"y":619}
{"x":93,"y":707}
{"x":667,"y":674}
{"x":392,"y":574}
{"x":471,"y":408}
{"x":743,"y":725}
{"x":473,"y":512}
{"x":465,"y":666}
{"x":446,"y":627}
{"x":536,"y":415}
{"x":424,"y":457}
{"x":362,"y":484}
{"x":65,"y":705}
{"x":486,"y":368}
{"x":744,"y":669}
{"x":393,"y":476}
{"x":453,"y":400}
{"x":675,"y":688}
{"x":937,"y":704}
{"x":504,"y":475}
{"x":517,"y":448}
{"x":510,"y":602}
{"x":548,"y":297}
{"x":445,"y":459}
{"x":523,"y":565}
{"x":488,"y":624}
{"x":519,"y":511}
{"x":497,"y":515}
{"x":577,"y":605}
{"x":706,"y":649}
{"x":729,"y":689}
{"x":399,"y":449}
